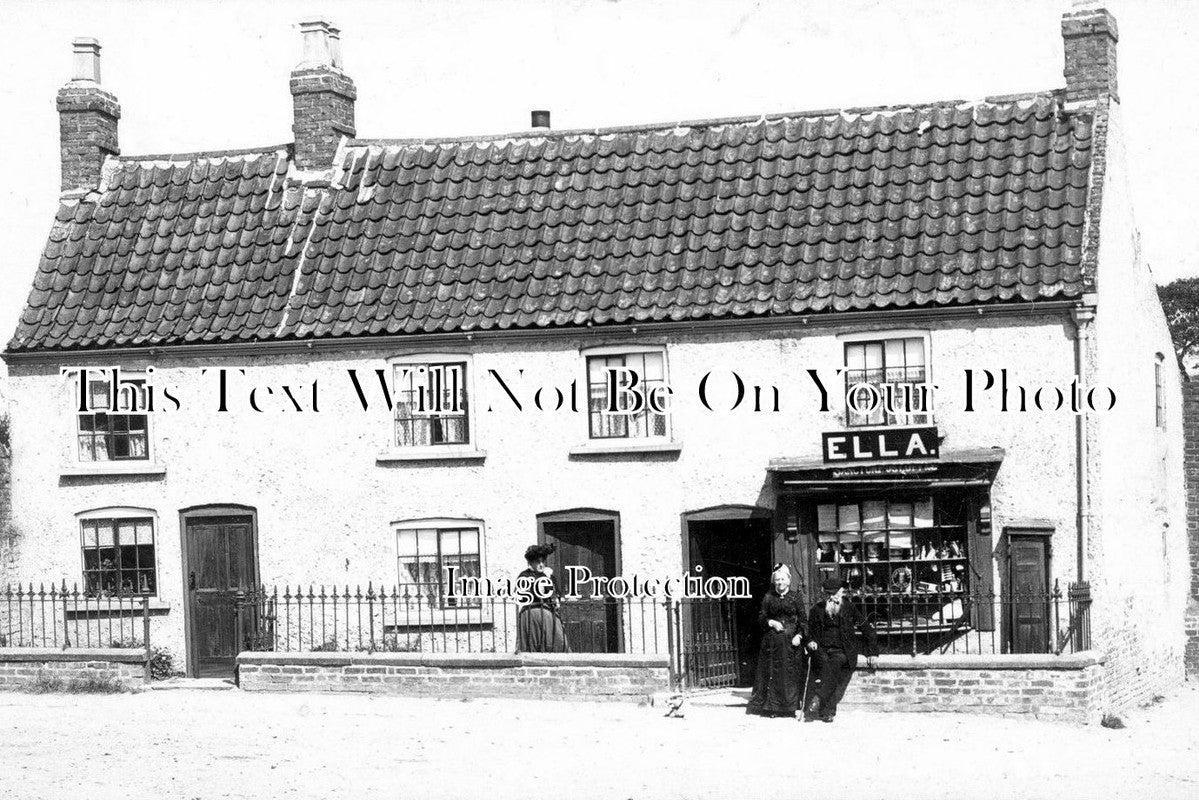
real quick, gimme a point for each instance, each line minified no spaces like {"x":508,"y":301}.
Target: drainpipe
{"x":1084,"y":317}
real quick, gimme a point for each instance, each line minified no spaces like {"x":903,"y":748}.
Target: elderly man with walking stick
{"x":834,"y":626}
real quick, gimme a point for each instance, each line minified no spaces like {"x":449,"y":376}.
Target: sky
{"x":196,"y":75}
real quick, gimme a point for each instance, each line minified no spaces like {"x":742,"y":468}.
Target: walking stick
{"x":807,"y":666}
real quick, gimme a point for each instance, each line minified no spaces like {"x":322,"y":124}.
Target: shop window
{"x":904,"y":560}
{"x":886,"y":380}
{"x":648,"y":371}
{"x":118,"y":556}
{"x":114,"y":430}
{"x":431,"y":402}
{"x":427,"y":548}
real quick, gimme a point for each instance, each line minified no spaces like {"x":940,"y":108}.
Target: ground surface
{"x":196,"y":744}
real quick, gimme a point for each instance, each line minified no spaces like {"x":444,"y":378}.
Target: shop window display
{"x":904,"y":561}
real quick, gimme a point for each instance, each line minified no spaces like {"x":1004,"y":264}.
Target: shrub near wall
{"x":28,"y":668}
{"x":7,"y":543}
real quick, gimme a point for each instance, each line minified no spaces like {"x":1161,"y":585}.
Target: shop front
{"x":910,"y":537}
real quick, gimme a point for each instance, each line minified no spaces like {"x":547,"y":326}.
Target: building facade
{"x":777,"y":291}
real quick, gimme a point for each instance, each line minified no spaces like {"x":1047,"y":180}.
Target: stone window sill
{"x":448,"y":453}
{"x":624,"y":446}
{"x":115,"y":606}
{"x":126,"y":468}
{"x":462,"y":619}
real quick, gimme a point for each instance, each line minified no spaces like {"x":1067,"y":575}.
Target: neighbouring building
{"x":905,"y":246}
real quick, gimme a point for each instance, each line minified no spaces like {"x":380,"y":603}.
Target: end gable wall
{"x":1138,"y":539}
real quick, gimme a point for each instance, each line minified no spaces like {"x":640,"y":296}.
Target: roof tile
{"x":936,"y":205}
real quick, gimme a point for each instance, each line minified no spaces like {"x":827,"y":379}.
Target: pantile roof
{"x":945,"y":204}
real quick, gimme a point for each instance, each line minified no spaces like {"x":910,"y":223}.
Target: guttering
{"x":624,"y":330}
{"x":1084,"y":317}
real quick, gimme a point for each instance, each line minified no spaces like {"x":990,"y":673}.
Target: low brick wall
{"x":576,"y":676}
{"x":21,"y":666}
{"x":1068,"y":688}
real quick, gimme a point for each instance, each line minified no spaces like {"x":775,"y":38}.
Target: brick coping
{"x":123,"y":655}
{"x":1007,"y":661}
{"x":462,"y":660}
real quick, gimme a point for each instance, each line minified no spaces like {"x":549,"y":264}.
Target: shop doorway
{"x":1026,"y":594}
{"x":730,"y":542}
{"x":220,"y":568}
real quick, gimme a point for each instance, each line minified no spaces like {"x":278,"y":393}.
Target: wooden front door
{"x":592,"y":624}
{"x":1027,"y":594}
{"x":221,"y":567}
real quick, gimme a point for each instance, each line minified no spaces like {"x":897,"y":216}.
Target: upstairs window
{"x":431,"y":404}
{"x":886,"y":380}
{"x":648,"y":371}
{"x":1159,"y":391}
{"x":117,"y":428}
{"x":118,"y":556}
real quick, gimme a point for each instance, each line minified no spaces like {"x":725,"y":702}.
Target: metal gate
{"x":705,"y":644}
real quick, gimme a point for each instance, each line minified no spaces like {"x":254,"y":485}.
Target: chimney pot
{"x":335,"y":46}
{"x":87,"y":60}
{"x":541,"y":119}
{"x":318,"y":51}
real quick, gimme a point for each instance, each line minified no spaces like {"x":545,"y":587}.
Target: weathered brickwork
{"x":1139,"y":667}
{"x":20,"y":667}
{"x":87,"y":122}
{"x":323,"y":102}
{"x":573,"y":676}
{"x":1090,"y":38}
{"x":1064,"y":688}
{"x":1191,"y":427}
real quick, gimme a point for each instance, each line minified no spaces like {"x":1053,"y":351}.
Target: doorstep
{"x":203,"y":684}
{"x":724,"y":698}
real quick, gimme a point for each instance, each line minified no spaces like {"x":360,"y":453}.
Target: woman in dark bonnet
{"x":538,"y":627}
{"x":776,"y":687}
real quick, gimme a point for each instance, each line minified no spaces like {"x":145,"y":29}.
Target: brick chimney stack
{"x":87,"y":120}
{"x":1090,"y":35}
{"x":322,"y":97}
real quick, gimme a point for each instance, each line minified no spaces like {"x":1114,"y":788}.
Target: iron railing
{"x":923,"y":623}
{"x":710,"y":642}
{"x":413,"y":618}
{"x":61,"y":617}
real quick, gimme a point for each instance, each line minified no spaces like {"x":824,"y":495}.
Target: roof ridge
{"x":545,"y":133}
{"x":198,"y":154}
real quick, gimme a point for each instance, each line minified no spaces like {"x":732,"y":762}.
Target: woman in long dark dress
{"x":538,"y":626}
{"x":777,"y":684}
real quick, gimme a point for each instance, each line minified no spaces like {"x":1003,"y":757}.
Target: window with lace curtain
{"x":427,"y":548}
{"x":113,"y":432}
{"x":885,"y":377}
{"x":649,"y":369}
{"x":431,"y":403}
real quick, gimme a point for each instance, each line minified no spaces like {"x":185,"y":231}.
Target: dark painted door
{"x":221,"y":569}
{"x":592,"y":624}
{"x":1028,"y":594}
{"x":733,"y":548}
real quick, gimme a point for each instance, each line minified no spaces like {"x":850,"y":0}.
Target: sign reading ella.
{"x":880,"y":445}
